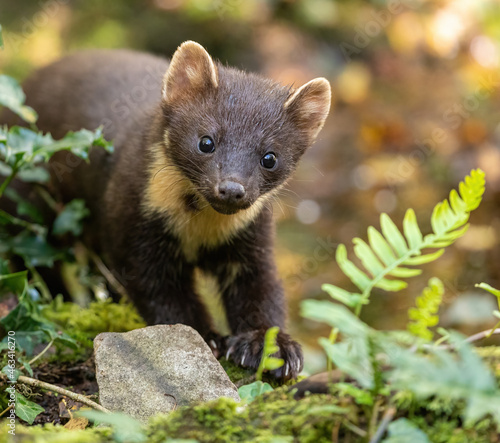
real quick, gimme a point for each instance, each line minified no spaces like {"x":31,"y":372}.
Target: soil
{"x":77,"y":377}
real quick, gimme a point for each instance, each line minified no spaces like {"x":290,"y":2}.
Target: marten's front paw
{"x":245,"y":349}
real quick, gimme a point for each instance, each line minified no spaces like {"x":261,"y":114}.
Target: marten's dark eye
{"x":206,"y":145}
{"x":269,"y":160}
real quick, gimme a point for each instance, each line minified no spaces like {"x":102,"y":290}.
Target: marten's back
{"x":113,"y":88}
{"x":117,"y":89}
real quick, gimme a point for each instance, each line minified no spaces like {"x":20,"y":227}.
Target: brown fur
{"x":161,"y":208}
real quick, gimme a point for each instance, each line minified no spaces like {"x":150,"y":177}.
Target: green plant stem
{"x":495,"y":328}
{"x":51,"y":202}
{"x":427,"y":241}
{"x":40,"y":283}
{"x":7,"y":181}
{"x":33,"y":227}
{"x":34,"y":359}
{"x":333,"y":338}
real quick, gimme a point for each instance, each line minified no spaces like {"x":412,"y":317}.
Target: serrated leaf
{"x":425,"y":316}
{"x":27,"y":410}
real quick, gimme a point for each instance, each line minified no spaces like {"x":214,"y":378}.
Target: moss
{"x":270,"y":416}
{"x":50,"y":433}
{"x":100,"y":316}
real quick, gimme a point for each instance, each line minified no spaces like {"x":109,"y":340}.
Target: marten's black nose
{"x":231,"y":192}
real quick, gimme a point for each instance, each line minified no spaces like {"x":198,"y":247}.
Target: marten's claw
{"x":245,"y":350}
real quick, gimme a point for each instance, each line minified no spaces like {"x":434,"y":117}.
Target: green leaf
{"x":335,"y":315}
{"x":393,"y":235}
{"x":360,"y":396}
{"x":15,"y":282}
{"x":35,"y":249}
{"x":126,"y":429}
{"x":12,"y":97}
{"x":489,"y":288}
{"x":21,"y":147}
{"x":268,"y":363}
{"x":251,"y":391}
{"x":391,"y":285}
{"x":411,"y":230}
{"x":27,"y":410}
{"x":424,"y":316}
{"x":461,"y":377}
{"x":381,"y":246}
{"x":353,"y":357}
{"x":11,"y":373}
{"x":404,"y":431}
{"x":358,"y":277}
{"x":70,"y":219}
{"x":422,"y":259}
{"x":348,"y":298}
{"x":367,"y":257}
{"x":24,"y":207}
{"x":404,"y":272}
{"x":1,"y":37}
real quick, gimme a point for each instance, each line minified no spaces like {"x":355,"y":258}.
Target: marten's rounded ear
{"x":308,"y":106}
{"x":191,"y":72}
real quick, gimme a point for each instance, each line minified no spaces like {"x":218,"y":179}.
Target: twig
{"x":472,"y":339}
{"x":484,"y":334}
{"x":7,"y":409}
{"x":352,"y":427}
{"x":374,"y":417}
{"x":108,"y":275}
{"x":386,"y":420}
{"x":49,"y":387}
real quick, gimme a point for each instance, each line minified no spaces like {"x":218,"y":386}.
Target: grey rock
{"x":151,"y":370}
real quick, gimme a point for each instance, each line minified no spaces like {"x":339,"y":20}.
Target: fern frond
{"x":268,"y":363}
{"x":425,"y":316}
{"x":390,"y":252}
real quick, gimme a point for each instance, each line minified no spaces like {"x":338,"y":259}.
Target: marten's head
{"x":235,"y":136}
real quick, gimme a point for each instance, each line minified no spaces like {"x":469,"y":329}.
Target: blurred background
{"x":416,"y":106}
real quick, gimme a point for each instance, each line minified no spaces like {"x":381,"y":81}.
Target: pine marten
{"x":199,"y":150}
